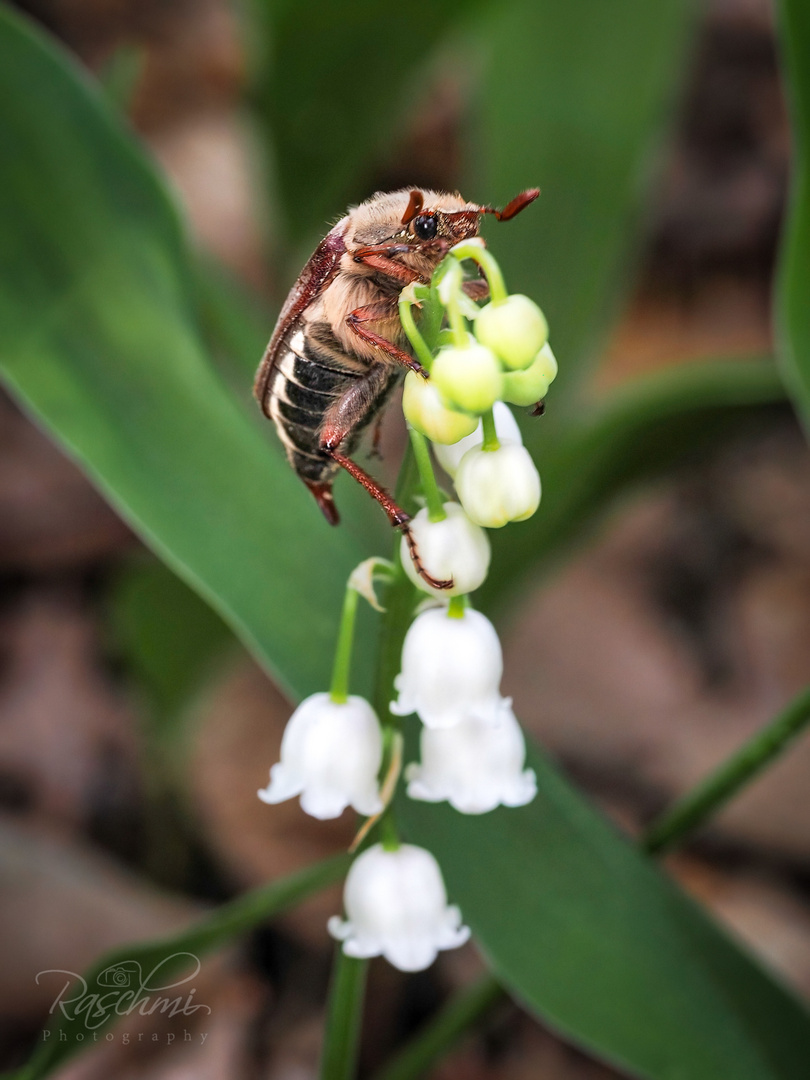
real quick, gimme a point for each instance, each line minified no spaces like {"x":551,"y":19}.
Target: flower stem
{"x":389,"y":834}
{"x":344,"y":1019}
{"x":449,"y":291}
{"x":706,"y":798}
{"x":457,"y":607}
{"x":339,"y":690}
{"x":423,"y":353}
{"x":427,"y":478}
{"x":488,"y":263}
{"x":491,"y":441}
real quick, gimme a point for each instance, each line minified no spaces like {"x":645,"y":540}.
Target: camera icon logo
{"x":121,"y":976}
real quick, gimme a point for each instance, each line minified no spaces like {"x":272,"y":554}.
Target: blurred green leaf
{"x":793,"y":279}
{"x":168,"y":634}
{"x":589,"y":934}
{"x":574,"y":101}
{"x":170,"y":958}
{"x":98,"y":340}
{"x":334,"y":89}
{"x":652,"y":426}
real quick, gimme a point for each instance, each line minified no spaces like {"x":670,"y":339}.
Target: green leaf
{"x":168,"y":634}
{"x":647,"y":429}
{"x":590,"y":935}
{"x":574,"y":100}
{"x":793,"y":279}
{"x":98,"y":340}
{"x":175,"y":957}
{"x":336,"y":89}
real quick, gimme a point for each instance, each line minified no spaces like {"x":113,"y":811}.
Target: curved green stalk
{"x":427,"y":478}
{"x":703,"y":801}
{"x":339,"y":690}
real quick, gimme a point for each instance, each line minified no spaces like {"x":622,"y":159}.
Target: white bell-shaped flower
{"x":498,"y":486}
{"x":454,"y":549}
{"x":506,"y":428}
{"x":474,"y":766}
{"x":330,"y":756}
{"x":396,"y":907}
{"x":451,"y":670}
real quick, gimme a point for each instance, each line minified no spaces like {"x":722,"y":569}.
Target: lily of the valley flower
{"x":498,"y":486}
{"x":453,"y":549}
{"x":396,"y":907}
{"x":506,"y":428}
{"x":451,"y":670}
{"x":426,"y":410}
{"x":514,"y":328}
{"x":330,"y":756}
{"x":474,"y":766}
{"x":527,"y":387}
{"x":468,"y":377}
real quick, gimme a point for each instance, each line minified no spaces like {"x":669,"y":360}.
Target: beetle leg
{"x":476,"y":289}
{"x":357,"y":320}
{"x":341,"y":419}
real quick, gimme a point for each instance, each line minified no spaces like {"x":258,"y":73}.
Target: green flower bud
{"x":515,"y":329}
{"x":529,"y":386}
{"x":497,"y":486}
{"x":468,"y":377}
{"x":426,"y":411}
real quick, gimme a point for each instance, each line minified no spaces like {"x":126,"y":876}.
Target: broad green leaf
{"x":647,"y":429}
{"x":169,"y":958}
{"x":98,"y":338}
{"x":168,"y":634}
{"x":589,"y":934}
{"x":793,"y":282}
{"x":574,"y":100}
{"x":98,"y":341}
{"x":336,"y":88}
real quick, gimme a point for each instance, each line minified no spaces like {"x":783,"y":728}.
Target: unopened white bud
{"x":506,"y":427}
{"x":474,"y":766}
{"x":396,"y":907}
{"x":468,"y":377}
{"x":530,"y":386}
{"x":330,"y":755}
{"x":498,"y":486}
{"x":426,"y":410}
{"x":453,"y":549}
{"x":515,"y":329}
{"x":451,"y":670}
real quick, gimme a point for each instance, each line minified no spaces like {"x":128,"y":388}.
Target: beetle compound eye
{"x":425,"y":226}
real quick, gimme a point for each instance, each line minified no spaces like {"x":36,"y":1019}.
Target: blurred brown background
{"x":650,"y":656}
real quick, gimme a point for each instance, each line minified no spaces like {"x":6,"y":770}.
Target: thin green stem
{"x":491,"y":441}
{"x":427,"y":478}
{"x":488,"y":263}
{"x":339,"y":690}
{"x":389,"y":834}
{"x":450,"y":291}
{"x":707,"y":798}
{"x":461,"y":1013}
{"x":420,"y":347}
{"x":457,"y":607}
{"x":344,"y":1018}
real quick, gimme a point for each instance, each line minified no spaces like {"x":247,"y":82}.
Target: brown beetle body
{"x":338,"y":347}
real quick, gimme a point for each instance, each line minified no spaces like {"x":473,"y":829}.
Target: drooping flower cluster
{"x":334,"y":752}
